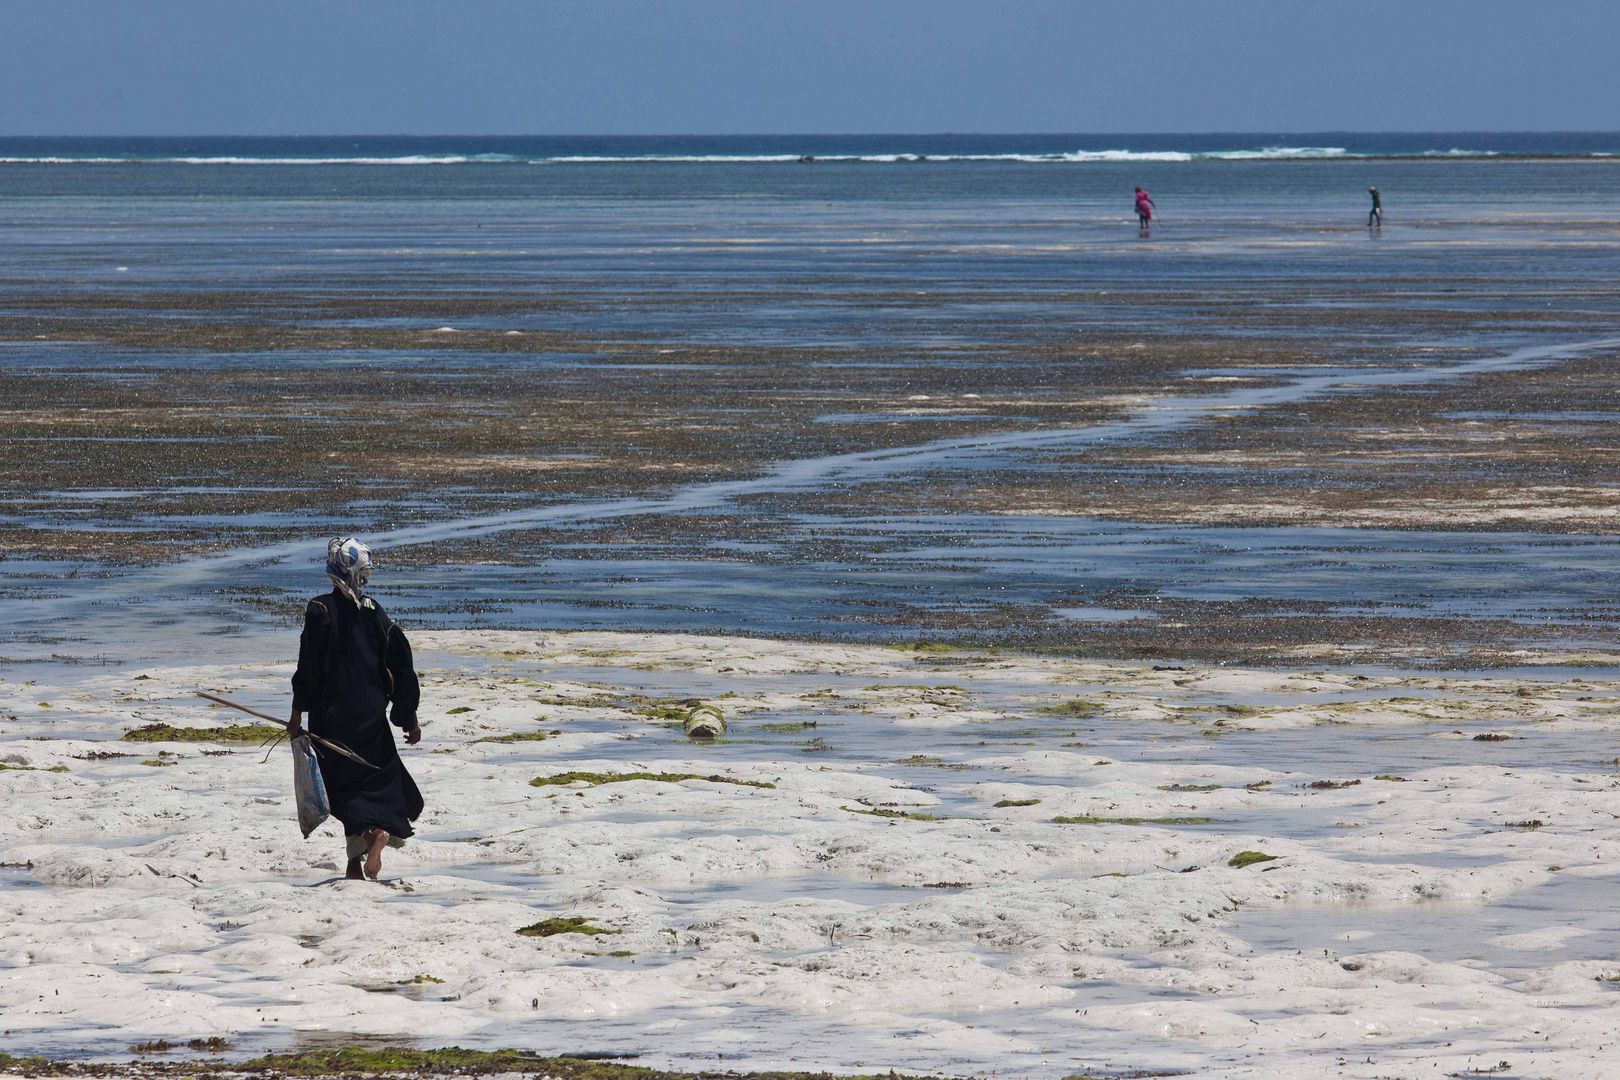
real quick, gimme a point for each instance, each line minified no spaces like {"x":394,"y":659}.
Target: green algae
{"x":234,"y":733}
{"x":355,"y":1059}
{"x":1088,"y":819}
{"x":1190,"y":787}
{"x":458,"y":710}
{"x":784,"y":729}
{"x":1249,"y":858}
{"x":1076,"y":708}
{"x":573,"y":925}
{"x":521,"y":736}
{"x":947,"y":687}
{"x":595,"y":778}
{"x":589,"y":701}
{"x":156,"y":1046}
{"x":358,"y":1061}
{"x":1016,"y":802}
{"x":1390,"y":778}
{"x":456,"y":1061}
{"x":923,"y":760}
{"x":880,"y":812}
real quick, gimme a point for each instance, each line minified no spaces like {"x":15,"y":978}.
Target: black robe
{"x":352,"y":662}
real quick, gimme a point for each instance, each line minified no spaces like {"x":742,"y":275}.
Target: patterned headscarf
{"x":348,"y":564}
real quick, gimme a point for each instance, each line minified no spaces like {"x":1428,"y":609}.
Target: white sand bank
{"x":1438,"y":904}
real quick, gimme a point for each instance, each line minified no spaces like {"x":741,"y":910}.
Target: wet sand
{"x":1035,"y":865}
{"x":1042,"y":570}
{"x":311,"y":416}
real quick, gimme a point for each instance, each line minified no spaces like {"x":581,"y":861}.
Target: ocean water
{"x":1520,"y":230}
{"x":1519,"y":227}
{"x":651,"y":213}
{"x":731,"y":149}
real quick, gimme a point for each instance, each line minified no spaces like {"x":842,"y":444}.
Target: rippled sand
{"x":887,"y":887}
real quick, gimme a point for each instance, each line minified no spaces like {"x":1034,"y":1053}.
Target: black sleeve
{"x":404,"y":691}
{"x":307,"y":680}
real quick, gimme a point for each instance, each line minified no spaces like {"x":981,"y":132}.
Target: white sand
{"x":1408,"y":930}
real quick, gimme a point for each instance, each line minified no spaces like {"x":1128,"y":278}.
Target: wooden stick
{"x":335,"y":747}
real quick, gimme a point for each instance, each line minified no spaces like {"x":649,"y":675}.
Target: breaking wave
{"x":673,"y":157}
{"x":404,"y":159}
{"x":1076,"y":156}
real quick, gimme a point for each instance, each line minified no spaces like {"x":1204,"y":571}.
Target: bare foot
{"x":376,"y":840}
{"x":354,"y":873}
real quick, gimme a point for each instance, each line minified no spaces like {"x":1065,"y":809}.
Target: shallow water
{"x":784,"y":589}
{"x":882,"y":243}
{"x":1580,"y":906}
{"x":1508,"y":239}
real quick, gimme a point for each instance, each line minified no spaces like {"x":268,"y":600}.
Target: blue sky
{"x":618,"y":67}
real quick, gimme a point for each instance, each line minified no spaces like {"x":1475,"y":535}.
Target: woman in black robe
{"x":352,"y":663}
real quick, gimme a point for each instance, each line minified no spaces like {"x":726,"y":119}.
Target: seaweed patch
{"x":233,"y":733}
{"x":572,"y":925}
{"x":596,"y":778}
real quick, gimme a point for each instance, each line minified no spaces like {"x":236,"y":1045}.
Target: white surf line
{"x":809,"y":473}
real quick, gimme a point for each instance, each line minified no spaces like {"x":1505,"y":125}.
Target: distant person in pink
{"x":1144,"y":208}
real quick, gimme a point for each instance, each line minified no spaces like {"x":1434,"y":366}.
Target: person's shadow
{"x":1144,"y":233}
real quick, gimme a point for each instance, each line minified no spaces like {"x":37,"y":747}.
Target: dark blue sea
{"x":875,"y":149}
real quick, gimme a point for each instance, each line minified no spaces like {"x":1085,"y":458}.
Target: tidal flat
{"x":1192,"y":651}
{"x":940,"y":441}
{"x":1057,"y":866}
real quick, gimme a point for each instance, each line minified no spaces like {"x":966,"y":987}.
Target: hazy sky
{"x":804,"y":66}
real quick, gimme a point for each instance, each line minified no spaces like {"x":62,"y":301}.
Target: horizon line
{"x":795,"y":134}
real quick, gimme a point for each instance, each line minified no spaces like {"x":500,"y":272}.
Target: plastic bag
{"x":308,"y":788}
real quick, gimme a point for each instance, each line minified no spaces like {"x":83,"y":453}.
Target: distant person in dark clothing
{"x":1144,"y":208}
{"x":353,"y":662}
{"x":1376,"y":214}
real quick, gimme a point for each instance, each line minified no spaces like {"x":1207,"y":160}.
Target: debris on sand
{"x":704,"y":722}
